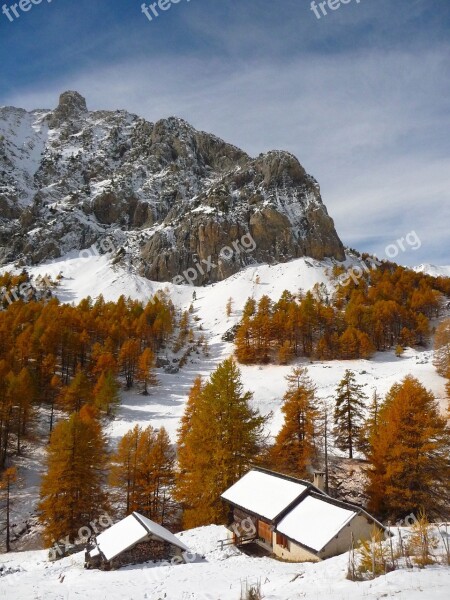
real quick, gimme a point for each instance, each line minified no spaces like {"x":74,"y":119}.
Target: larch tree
{"x":295,"y":444}
{"x":220,"y":437}
{"x":106,"y":393}
{"x":348,"y":413}
{"x":145,"y":374}
{"x":77,"y":394}
{"x":245,"y":352}
{"x":6,"y":412}
{"x":442,"y":349}
{"x":155,"y":475}
{"x":229,"y":307}
{"x":409,"y":457}
{"x":129,"y":359}
{"x":21,"y":396}
{"x":123,"y":470}
{"x":189,"y":449}
{"x":72,"y":490}
{"x":369,"y":429}
{"x":142,"y":473}
{"x":7,"y":480}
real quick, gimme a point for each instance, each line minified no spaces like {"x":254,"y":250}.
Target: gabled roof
{"x":160,"y":532}
{"x":264,"y":493}
{"x":301,"y":512}
{"x":130,"y":531}
{"x":314,"y":522}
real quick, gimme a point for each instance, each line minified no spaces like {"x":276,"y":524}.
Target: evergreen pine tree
{"x":348,"y":413}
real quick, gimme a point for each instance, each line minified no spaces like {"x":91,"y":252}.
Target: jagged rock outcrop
{"x":172,"y":198}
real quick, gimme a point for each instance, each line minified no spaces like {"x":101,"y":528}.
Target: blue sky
{"x":361,"y":96}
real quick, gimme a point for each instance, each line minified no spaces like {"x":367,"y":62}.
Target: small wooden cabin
{"x":133,"y":540}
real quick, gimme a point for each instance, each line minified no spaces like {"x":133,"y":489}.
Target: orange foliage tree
{"x":219,"y":437}
{"x":409,"y":455}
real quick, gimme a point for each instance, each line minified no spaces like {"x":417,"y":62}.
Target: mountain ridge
{"x":165,"y":194}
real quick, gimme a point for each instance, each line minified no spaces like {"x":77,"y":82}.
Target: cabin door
{"x":265,"y":532}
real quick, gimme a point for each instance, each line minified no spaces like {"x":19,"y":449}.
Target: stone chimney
{"x":319,"y":480}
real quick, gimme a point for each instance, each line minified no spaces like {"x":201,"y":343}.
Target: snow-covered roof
{"x":264,"y":494}
{"x":315,"y":522}
{"x":130,"y":531}
{"x":160,"y":531}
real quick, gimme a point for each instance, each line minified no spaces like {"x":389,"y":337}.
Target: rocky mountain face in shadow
{"x":166,"y":197}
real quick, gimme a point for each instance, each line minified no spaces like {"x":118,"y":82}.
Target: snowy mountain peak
{"x":71,"y":104}
{"x":169,"y":196}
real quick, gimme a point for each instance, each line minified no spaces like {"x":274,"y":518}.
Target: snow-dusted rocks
{"x":169,"y":196}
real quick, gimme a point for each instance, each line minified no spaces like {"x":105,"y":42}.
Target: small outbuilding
{"x":133,"y":540}
{"x":294,"y":519}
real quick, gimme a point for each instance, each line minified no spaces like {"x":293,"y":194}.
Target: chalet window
{"x":282,"y":541}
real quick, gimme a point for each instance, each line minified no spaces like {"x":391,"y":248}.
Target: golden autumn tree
{"x":294,"y":446}
{"x":219,"y":438}
{"x":442,"y":349}
{"x":7,"y":480}
{"x":409,"y":456}
{"x":155,"y":475}
{"x":189,"y":449}
{"x":123,"y":470}
{"x":106,"y":393}
{"x":129,"y":359}
{"x":77,"y":394}
{"x":142,"y":473}
{"x":245,"y":349}
{"x":20,"y":395}
{"x":145,"y":374}
{"x":72,"y":493}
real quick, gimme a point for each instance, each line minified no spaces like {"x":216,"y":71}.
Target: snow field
{"x":218,"y":576}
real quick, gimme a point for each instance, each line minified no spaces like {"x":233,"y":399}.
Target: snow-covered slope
{"x":91,"y":274}
{"x":433,"y":270}
{"x":219,"y":575}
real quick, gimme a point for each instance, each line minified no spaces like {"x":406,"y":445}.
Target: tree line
{"x":403,"y":437}
{"x":63,"y":357}
{"x":388,"y":307}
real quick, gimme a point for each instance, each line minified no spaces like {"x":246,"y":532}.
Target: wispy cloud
{"x":369,"y":122}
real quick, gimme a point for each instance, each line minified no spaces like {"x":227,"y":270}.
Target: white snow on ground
{"x":91,"y":274}
{"x":435,"y":271}
{"x":217,"y":576}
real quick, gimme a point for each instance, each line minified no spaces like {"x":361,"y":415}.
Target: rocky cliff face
{"x":171,"y":198}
